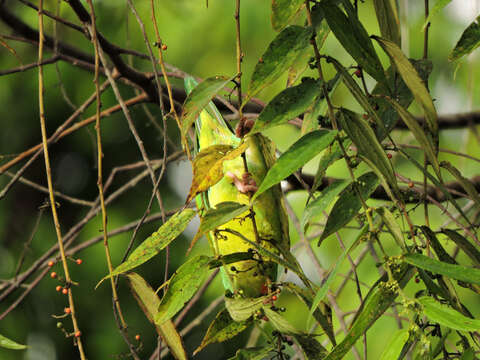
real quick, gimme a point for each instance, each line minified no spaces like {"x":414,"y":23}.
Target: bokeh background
{"x":201,"y":41}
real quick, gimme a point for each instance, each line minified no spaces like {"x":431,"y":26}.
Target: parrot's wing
{"x":268,"y":150}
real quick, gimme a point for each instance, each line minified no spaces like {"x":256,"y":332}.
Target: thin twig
{"x":50,"y":184}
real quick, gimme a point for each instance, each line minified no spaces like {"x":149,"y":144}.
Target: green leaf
{"x":377,"y":301}
{"x":368,"y":146}
{"x":467,"y":185}
{"x":414,"y":83}
{"x":332,"y":154}
{"x":10,"y":344}
{"x":464,"y":244}
{"x":322,"y":292}
{"x":348,"y":205}
{"x":156,"y":242}
{"x":322,"y":313}
{"x":255,"y":353}
{"x":222,"y":328}
{"x":392,"y":226}
{"x":447,"y":316}
{"x":284,"y":11}
{"x":395,"y":346}
{"x":419,"y":134}
{"x":221,"y":214}
{"x":317,"y":206}
{"x":149,"y":302}
{"x":287,"y":105}
{"x":458,"y":272}
{"x":241,"y":309}
{"x":312,"y":349}
{"x":182,"y":286}
{"x":356,"y":92}
{"x":280,"y":55}
{"x":439,"y":5}
{"x":387,"y":17}
{"x":318,"y":108}
{"x":400,"y":92}
{"x":437,"y":247}
{"x":295,"y":157}
{"x":208,"y":166}
{"x":354,"y":38}
{"x":468,"y":42}
{"x":200,"y":96}
{"x":279,"y":322}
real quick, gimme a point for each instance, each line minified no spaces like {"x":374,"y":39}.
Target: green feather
{"x":249,"y":277}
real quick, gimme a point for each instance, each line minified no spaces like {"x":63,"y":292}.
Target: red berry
{"x":53,"y":274}
{"x":365,"y":116}
{"x":417,"y":280}
{"x":137,"y":337}
{"x":274,"y":297}
{"x":389,"y":155}
{"x":164,"y":47}
{"x":358,"y":73}
{"x":50,"y":263}
{"x":79,"y":261}
{"x":58,"y":288}
{"x":78,"y":334}
{"x":64,"y":291}
{"x":411,"y":184}
{"x":67,"y":310}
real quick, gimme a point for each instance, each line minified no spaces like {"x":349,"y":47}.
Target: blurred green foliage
{"x":201,"y":41}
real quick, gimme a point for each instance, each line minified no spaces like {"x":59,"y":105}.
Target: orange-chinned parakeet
{"x":248,"y":278}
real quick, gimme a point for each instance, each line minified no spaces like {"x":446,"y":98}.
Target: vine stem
{"x":165,"y":77}
{"x":48,"y":171}
{"x":100,"y":166}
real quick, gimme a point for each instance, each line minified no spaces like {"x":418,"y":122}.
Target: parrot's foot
{"x":246,"y":184}
{"x":244,"y":127}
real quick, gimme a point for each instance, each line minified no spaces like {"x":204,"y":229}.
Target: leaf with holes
{"x":183,"y":284}
{"x":280,"y":55}
{"x":155,"y":243}
{"x":468,"y":42}
{"x":284,"y":11}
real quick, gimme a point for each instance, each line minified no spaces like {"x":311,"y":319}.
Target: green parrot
{"x":248,"y":278}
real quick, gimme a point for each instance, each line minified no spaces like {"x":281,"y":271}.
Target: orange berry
{"x":67,"y":310}
{"x":389,"y":155}
{"x":50,"y":263}
{"x":137,"y":337}
{"x":79,"y":261}
{"x":411,"y":184}
{"x":164,"y":47}
{"x":78,"y":334}
{"x":64,"y":291}
{"x":53,"y":274}
{"x":58,"y":288}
